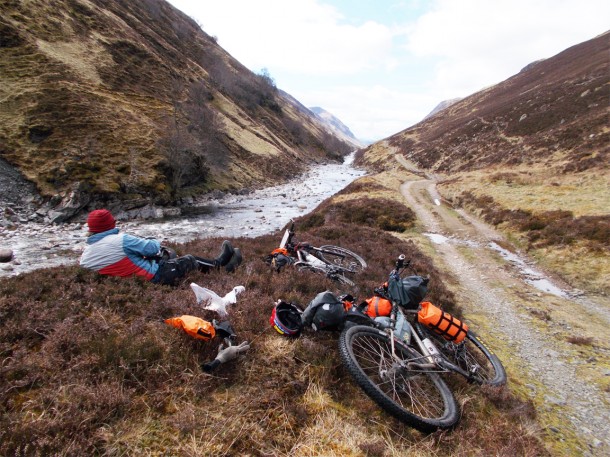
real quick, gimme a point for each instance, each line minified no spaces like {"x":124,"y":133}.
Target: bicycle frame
{"x":303,"y":252}
{"x":434,"y":359}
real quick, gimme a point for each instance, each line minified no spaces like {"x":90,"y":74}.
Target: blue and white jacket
{"x":118,"y":254}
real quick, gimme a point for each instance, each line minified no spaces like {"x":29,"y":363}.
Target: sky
{"x":381,"y":66}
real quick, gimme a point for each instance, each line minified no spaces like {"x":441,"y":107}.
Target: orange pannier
{"x":194,"y":326}
{"x":449,"y":327}
{"x":283,"y":251}
{"x":377,"y":306}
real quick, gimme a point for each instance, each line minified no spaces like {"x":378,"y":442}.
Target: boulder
{"x":6,"y":255}
{"x":70,"y":203}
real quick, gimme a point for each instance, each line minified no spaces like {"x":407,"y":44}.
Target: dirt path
{"x":563,"y":383}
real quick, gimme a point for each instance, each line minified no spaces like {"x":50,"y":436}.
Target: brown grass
{"x":581,"y":340}
{"x":545,"y":228}
{"x":89,"y":368}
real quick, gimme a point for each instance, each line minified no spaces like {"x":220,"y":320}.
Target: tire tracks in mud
{"x":490,"y":289}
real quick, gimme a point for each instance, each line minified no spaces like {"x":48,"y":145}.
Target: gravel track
{"x":489,"y":287}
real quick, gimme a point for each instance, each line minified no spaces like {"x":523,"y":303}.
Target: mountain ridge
{"x":530,"y":156}
{"x":337,"y":126}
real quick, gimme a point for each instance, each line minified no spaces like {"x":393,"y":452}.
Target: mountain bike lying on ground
{"x":332,"y":261}
{"x":397,"y":359}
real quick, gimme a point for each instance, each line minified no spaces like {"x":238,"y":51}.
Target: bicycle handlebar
{"x":400,"y":261}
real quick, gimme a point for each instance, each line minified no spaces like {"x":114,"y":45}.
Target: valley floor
{"x":555,"y":348}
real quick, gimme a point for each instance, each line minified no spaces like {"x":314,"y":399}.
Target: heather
{"x":89,"y":367}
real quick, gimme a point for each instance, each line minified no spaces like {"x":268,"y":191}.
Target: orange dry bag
{"x":194,"y":326}
{"x":449,"y":327}
{"x":377,"y":306}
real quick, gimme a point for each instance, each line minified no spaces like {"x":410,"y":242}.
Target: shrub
{"x":379,"y":213}
{"x":547,"y":228}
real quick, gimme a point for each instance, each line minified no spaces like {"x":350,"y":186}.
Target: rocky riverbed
{"x":39,"y":245}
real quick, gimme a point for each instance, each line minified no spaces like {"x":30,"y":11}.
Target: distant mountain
{"x":553,"y":112}
{"x":337,"y":127}
{"x":441,"y":106}
{"x":130,"y":103}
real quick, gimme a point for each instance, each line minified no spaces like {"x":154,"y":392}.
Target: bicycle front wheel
{"x":342,"y":258}
{"x":414,"y":395}
{"x":331,"y":273}
{"x":471,"y":355}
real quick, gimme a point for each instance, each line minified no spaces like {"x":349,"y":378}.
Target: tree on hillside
{"x":185,"y":162}
{"x":204,"y":124}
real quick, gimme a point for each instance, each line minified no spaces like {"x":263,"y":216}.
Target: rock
{"x":72,"y":202}
{"x":6,"y":255}
{"x":172,"y":212}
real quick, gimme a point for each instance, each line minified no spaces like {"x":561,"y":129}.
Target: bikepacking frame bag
{"x":449,"y":327}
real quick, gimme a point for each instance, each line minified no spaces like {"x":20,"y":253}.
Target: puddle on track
{"x":529,"y":275}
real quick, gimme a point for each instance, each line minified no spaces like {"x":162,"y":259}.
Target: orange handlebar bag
{"x":378,"y":306}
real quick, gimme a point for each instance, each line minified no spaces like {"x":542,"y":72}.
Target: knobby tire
{"x":342,"y":258}
{"x":417,"y":397}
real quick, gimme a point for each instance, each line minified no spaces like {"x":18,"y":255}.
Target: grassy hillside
{"x":132,"y":100}
{"x":90,"y":368}
{"x":561,"y":220}
{"x":530,"y":155}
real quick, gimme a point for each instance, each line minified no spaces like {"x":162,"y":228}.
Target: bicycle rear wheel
{"x":342,"y":258}
{"x":471,"y":355}
{"x":416,"y":396}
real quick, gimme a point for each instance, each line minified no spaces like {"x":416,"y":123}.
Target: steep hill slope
{"x":554,"y":111}
{"x":132,"y":101}
{"x":531,"y":156}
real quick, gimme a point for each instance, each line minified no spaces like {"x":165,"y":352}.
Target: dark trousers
{"x":171,"y":271}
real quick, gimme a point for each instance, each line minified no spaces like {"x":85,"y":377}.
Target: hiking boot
{"x":226,"y":254}
{"x":234,"y":262}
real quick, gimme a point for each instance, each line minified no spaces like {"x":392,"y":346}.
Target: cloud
{"x":305,"y":37}
{"x":480,"y":42}
{"x":381,"y":76}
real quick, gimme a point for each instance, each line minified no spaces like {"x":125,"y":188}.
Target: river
{"x":260,"y":212}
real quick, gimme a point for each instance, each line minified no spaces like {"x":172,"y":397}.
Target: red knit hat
{"x":100,"y":220}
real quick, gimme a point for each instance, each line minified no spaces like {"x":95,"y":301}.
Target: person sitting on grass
{"x":118,"y":254}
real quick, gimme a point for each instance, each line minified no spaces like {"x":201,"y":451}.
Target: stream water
{"x":261,"y":212}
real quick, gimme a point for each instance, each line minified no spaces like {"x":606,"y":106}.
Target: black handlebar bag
{"x":408,"y":292}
